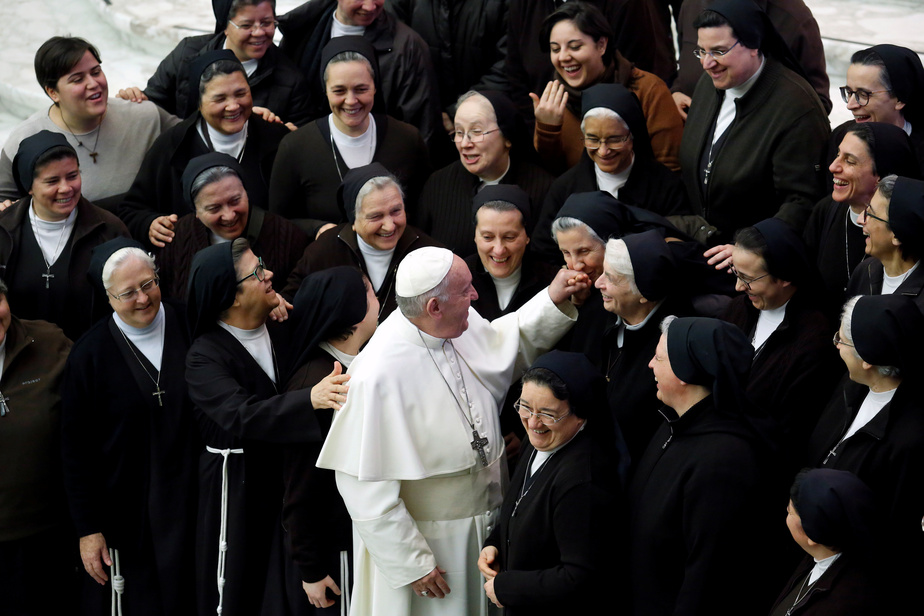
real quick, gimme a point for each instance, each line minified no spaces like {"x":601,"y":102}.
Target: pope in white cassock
{"x":417,"y":448}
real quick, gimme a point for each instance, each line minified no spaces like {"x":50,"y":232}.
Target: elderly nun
{"x":874,"y":424}
{"x":214,"y":191}
{"x":130,"y":443}
{"x":375,"y":238}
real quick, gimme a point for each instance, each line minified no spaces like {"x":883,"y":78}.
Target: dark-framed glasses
{"x":838,"y":340}
{"x":544,"y":418}
{"x":130,"y":296}
{"x":266,"y":26}
{"x":699,"y":52}
{"x":861,"y":96}
{"x":869,"y":213}
{"x":257,"y":273}
{"x":612,"y":143}
{"x":746,"y":281}
{"x":475,"y":135}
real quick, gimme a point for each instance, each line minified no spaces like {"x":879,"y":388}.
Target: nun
{"x":494,"y":149}
{"x":833,"y":235}
{"x":893,"y":223}
{"x":885,"y":83}
{"x":235,"y":384}
{"x":832,"y":517}
{"x":873,"y":425}
{"x":337,"y":312}
{"x":554,"y":546}
{"x":46,"y":237}
{"x":617,"y":158}
{"x":504,"y":272}
{"x":224,"y":122}
{"x":698,"y":490}
{"x":640,"y":284}
{"x":315,"y":159}
{"x":583,"y":226}
{"x":214,"y":192}
{"x":129,"y":443}
{"x":375,"y":238}
{"x":778,"y":308}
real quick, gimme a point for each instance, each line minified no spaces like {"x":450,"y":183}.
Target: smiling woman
{"x":46,"y":237}
{"x":579,"y":41}
{"x":215,"y":192}
{"x":246,"y":27}
{"x":304,"y":188}
{"x":224,"y":123}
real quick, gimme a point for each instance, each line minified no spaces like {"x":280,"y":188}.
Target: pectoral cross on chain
{"x":480,"y":442}
{"x":93,"y":155}
{"x":4,"y":408}
{"x":47,"y":277}
{"x":159,"y":393}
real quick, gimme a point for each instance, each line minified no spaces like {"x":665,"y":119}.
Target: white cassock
{"x":415,"y":487}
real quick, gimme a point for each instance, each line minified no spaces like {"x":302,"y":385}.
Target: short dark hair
{"x":221,"y":67}
{"x":711,"y":19}
{"x":546,"y":378}
{"x":752,"y":240}
{"x":865,"y":134}
{"x":499,"y":206}
{"x":869,"y":57}
{"x":57,"y":56}
{"x":58,"y":152}
{"x":588,"y":19}
{"x":237,"y":5}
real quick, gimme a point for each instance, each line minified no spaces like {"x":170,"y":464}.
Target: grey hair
{"x":566,"y":223}
{"x":846,"y":317}
{"x":377,"y":183}
{"x":868,"y":57}
{"x":350,"y":56}
{"x":221,"y":67}
{"x":617,"y":257}
{"x":120,"y":257}
{"x":886,"y":186}
{"x":209,"y":176}
{"x":413,"y":307}
{"x":480,"y":98}
{"x":666,"y":323}
{"x":3,"y":288}
{"x":605,"y":113}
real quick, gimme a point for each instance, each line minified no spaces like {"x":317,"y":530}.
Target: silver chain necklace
{"x":158,"y":391}
{"x":38,"y":240}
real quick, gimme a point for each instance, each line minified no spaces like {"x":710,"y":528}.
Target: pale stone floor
{"x":134,"y":35}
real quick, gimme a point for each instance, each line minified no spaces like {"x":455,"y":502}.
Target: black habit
{"x":239,"y":407}
{"x":129,"y":465}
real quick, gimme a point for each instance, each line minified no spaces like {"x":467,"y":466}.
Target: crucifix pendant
{"x":159,"y":393}
{"x":479,"y":442}
{"x":47,"y":276}
{"x":93,"y":155}
{"x":4,"y":409}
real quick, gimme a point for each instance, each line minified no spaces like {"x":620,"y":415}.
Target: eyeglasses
{"x":251,"y":28}
{"x":544,"y":418}
{"x":861,"y":96}
{"x":257,"y":273}
{"x":869,"y":213}
{"x":474,"y":135}
{"x":745,"y":281}
{"x":129,"y":296}
{"x":699,"y":52}
{"x":612,"y":143}
{"x":838,"y":340}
